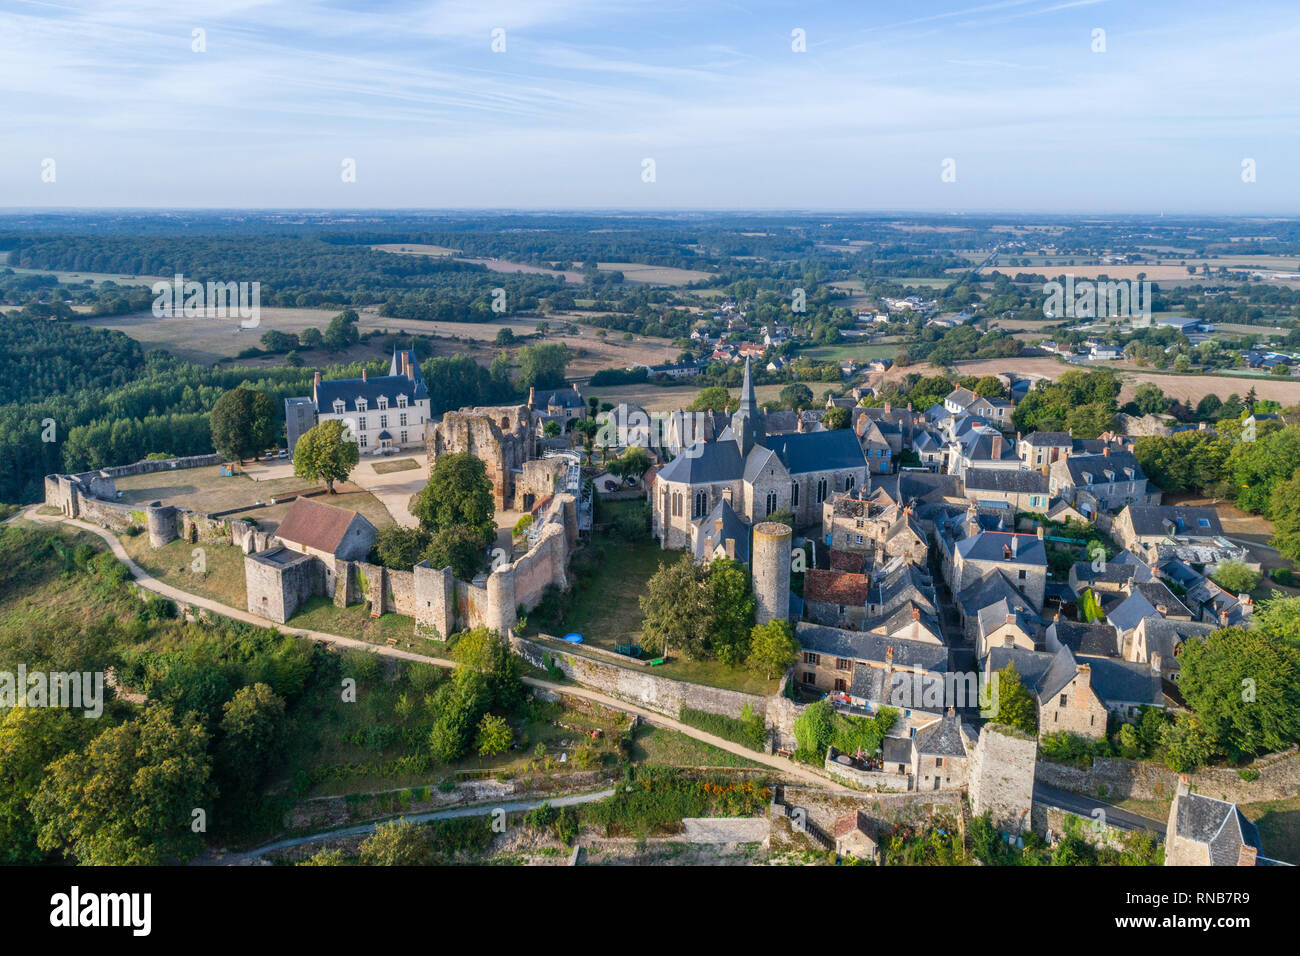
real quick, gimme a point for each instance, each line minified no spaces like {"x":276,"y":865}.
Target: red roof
{"x":836,"y":587}
{"x":314,"y":525}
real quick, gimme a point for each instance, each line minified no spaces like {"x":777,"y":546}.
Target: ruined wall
{"x":435,"y":600}
{"x":276,"y":591}
{"x":501,"y":436}
{"x":1050,"y":824}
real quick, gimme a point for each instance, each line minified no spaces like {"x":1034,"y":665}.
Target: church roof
{"x":817,"y":451}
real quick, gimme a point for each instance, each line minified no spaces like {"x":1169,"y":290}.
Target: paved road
{"x":517,"y":806}
{"x":1083,"y":805}
{"x":787,"y":768}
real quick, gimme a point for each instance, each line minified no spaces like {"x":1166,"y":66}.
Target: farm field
{"x":1185,"y":388}
{"x":414,"y":249}
{"x":632,"y":271}
{"x":848,"y":350}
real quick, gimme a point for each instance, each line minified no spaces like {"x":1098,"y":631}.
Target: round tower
{"x":771,"y":571}
{"x":160,"y":521}
{"x":500,"y":614}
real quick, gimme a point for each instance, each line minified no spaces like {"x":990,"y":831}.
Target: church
{"x":745,"y":474}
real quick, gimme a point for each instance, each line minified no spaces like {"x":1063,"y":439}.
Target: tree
{"x":772,"y":648}
{"x":1244,"y":686}
{"x":814,"y":729}
{"x":1150,"y":400}
{"x":505,"y":336}
{"x":459,"y":492}
{"x":715,"y":398}
{"x":632,"y":463}
{"x":990,"y":386}
{"x":251,"y":739}
{"x":796,"y":396}
{"x":1016,"y":707}
{"x":673,"y":606}
{"x":400,"y":843}
{"x":458,"y":547}
{"x":325,"y":453}
{"x":494,"y":736}
{"x":1234,"y":575}
{"x":730,"y":601}
{"x":342,"y":331}
{"x":551,"y":429}
{"x":835,"y":418}
{"x":1279,"y":618}
{"x":1284,"y":507}
{"x":543,"y":366}
{"x":1187,"y":745}
{"x":400,"y":548}
{"x":243,"y":423}
{"x":127,"y":799}
{"x":30,"y":739}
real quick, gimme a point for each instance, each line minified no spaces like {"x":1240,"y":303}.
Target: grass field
{"x":848,"y":350}
{"x":221,"y":578}
{"x":320,"y":614}
{"x":671,"y":748}
{"x":1279,"y":827}
{"x":388,"y":467}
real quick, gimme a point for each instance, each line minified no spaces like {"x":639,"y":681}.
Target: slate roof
{"x":564,"y":397}
{"x":1097,"y":465}
{"x":1049,"y":439}
{"x":896,"y":750}
{"x":943,"y":738}
{"x":1129,"y":613}
{"x":1031,"y":665}
{"x":1020,"y":481}
{"x":868,"y":682}
{"x":314,"y":525}
{"x":1059,"y":673}
{"x":1150,"y":520}
{"x":1115,"y":572}
{"x":374,"y":387}
{"x":1216,"y":823}
{"x":860,"y":646}
{"x":991,"y":545}
{"x":1165,"y":636}
{"x":1086,"y":640}
{"x":817,"y":451}
{"x":1158,"y":593}
{"x":961,"y":396}
{"x":705,"y":462}
{"x":732,"y":527}
{"x":1116,"y":681}
{"x":990,"y":589}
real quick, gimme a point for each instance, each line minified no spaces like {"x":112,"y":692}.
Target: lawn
{"x":221,"y":577}
{"x":1279,"y":827}
{"x":320,"y":614}
{"x":848,"y":350}
{"x":671,"y":748}
{"x":388,"y":467}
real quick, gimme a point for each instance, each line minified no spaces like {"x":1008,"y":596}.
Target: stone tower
{"x":1001,"y":777}
{"x":770,"y":563}
{"x":747,"y":421}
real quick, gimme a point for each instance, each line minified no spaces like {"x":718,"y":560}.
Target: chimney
{"x":731,"y":548}
{"x":1162,"y":610}
{"x":1070,"y":432}
{"x":972,"y":520}
{"x":888,"y":408}
{"x":316,"y":380}
{"x":532,"y":396}
{"x":1083,"y":677}
{"x":1015,"y":544}
{"x":997,"y":446}
{"x":952,"y":711}
{"x":1017,"y":438}
{"x":1039,"y":532}
{"x":363,"y":373}
{"x":1011,"y":619}
{"x":1223,"y":618}
{"x":1106,"y":451}
{"x":889,"y":656}
{"x":1156,"y":662}
{"x":909,"y":406}
{"x":717,"y":526}
{"x":1247,"y":856}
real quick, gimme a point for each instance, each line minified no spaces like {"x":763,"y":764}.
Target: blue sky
{"x":711,"y":91}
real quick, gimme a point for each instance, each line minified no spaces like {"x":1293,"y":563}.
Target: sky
{"x":923,"y":105}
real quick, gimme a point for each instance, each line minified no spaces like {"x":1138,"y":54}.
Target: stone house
{"x":326,"y":531}
{"x":1106,"y":482}
{"x":1042,"y":449}
{"x":1022,"y":558}
{"x":856,"y":835}
{"x":386,"y":411}
{"x":1204,"y":831}
{"x":836,"y":598}
{"x":1017,"y":490}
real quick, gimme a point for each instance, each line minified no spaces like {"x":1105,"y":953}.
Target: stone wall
{"x":1279,"y":779}
{"x":1002,"y":777}
{"x":1050,"y":824}
{"x":660,"y":694}
{"x":864,"y":779}
{"x":825,"y":807}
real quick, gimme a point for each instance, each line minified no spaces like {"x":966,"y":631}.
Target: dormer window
{"x":362,"y":405}
{"x":382,"y":402}
{"x":338,"y":406}
{"x":401,"y":401}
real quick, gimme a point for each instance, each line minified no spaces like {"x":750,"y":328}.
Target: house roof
{"x":1020,"y":481}
{"x":1104,"y":469}
{"x":817,"y":451}
{"x":1049,"y":439}
{"x":943,"y":738}
{"x":1186,"y":520}
{"x":372,"y":388}
{"x":314,"y":525}
{"x":704,"y":462}
{"x":835,"y":587}
{"x":857,"y":820}
{"x":732,"y":527}
{"x":1216,"y":823}
{"x":1087,"y":640}
{"x":860,"y":646}
{"x":1129,"y":613}
{"x":993,"y":545}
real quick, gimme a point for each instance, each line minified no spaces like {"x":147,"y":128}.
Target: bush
{"x":750,"y":729}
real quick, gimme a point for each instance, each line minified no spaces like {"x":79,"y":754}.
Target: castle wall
{"x":1002,"y":777}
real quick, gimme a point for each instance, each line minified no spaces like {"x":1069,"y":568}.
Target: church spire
{"x":748,"y":401}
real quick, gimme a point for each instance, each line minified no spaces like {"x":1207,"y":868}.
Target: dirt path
{"x":785,"y":767}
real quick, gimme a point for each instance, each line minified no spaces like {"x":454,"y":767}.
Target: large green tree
{"x":243,"y":423}
{"x":459,"y":492}
{"x":1244,"y":687}
{"x":129,"y":797}
{"x":1016,"y":707}
{"x":772,"y":648}
{"x":543,"y":366}
{"x":326,"y":453}
{"x":30,"y":739}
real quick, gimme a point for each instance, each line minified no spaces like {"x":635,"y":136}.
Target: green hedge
{"x":749,"y":729}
